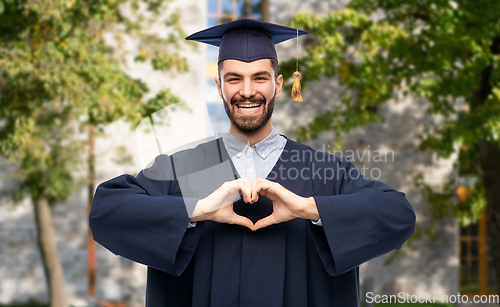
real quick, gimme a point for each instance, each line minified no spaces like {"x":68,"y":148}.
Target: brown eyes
{"x":258,"y":79}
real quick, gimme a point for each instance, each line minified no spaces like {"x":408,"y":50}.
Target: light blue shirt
{"x":257,"y":160}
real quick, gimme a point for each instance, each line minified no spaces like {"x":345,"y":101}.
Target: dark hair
{"x":274,"y":65}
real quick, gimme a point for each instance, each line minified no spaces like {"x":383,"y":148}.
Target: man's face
{"x":248,"y":91}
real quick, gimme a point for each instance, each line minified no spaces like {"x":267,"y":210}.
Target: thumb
{"x":241,"y":220}
{"x":264,"y":222}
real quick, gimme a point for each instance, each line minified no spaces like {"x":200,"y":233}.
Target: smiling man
{"x":304,"y":222}
{"x":252,"y":89}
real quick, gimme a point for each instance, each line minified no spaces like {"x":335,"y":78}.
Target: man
{"x":305,"y":222}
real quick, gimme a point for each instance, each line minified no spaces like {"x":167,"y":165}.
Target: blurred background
{"x":409,"y":90}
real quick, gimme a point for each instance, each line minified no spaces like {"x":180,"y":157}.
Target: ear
{"x":219,"y":86}
{"x":279,"y":85}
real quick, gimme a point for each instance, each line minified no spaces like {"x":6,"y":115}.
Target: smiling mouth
{"x":249,"y":107}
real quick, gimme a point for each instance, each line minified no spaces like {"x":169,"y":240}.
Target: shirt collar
{"x":263,"y":148}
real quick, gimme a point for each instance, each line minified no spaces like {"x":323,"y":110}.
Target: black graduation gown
{"x":290,"y":264}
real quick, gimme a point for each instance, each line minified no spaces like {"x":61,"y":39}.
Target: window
{"x":476,"y":262}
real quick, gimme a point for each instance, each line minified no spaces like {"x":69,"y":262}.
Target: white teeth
{"x":248,"y":107}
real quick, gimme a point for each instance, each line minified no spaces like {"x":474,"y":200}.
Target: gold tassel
{"x":296,"y":83}
{"x":296,"y":87}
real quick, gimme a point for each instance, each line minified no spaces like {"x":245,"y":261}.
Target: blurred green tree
{"x":61,"y":74}
{"x":447,"y":51}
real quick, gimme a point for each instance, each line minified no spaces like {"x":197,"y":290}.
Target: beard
{"x":245,"y":123}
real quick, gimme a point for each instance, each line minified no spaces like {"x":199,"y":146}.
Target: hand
{"x":218,"y":206}
{"x":286,"y":204}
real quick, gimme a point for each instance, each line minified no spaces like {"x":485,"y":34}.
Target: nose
{"x":247,"y":90}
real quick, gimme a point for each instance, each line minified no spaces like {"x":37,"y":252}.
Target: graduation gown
{"x":289,"y":264}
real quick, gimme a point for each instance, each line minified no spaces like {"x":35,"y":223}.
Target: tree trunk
{"x":91,"y":263}
{"x":50,"y":258}
{"x":489,"y":159}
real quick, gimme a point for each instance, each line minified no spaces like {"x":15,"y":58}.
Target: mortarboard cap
{"x":246,"y":39}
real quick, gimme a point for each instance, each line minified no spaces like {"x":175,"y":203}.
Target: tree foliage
{"x":62,"y":66}
{"x":62,"y":69}
{"x":445,"y":51}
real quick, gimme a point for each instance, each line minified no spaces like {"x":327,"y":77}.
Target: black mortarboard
{"x":246,"y":39}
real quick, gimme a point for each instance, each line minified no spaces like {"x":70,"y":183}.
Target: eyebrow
{"x":260,"y":73}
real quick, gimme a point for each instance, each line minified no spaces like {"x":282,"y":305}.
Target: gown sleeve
{"x":361,"y":218}
{"x":145,"y":219}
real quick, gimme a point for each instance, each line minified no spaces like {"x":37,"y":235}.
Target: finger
{"x":262,"y":188}
{"x":229,"y":193}
{"x":247,"y":197}
{"x":239,"y":186}
{"x":256,"y":188}
{"x":255,"y":194}
{"x":247,"y":190}
{"x":252,"y":193}
{"x":267,"y":221}
{"x":241,"y":220}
